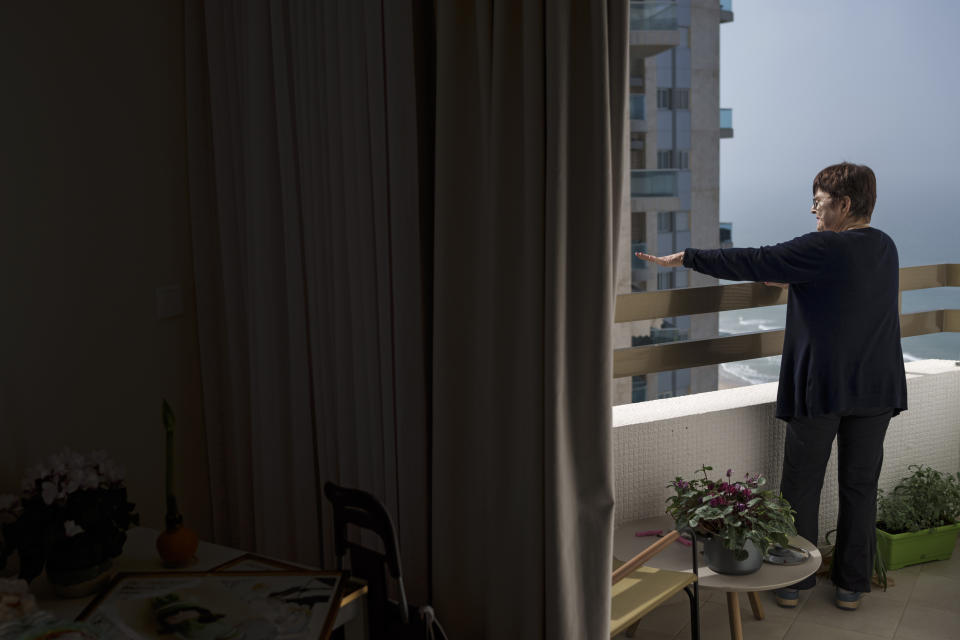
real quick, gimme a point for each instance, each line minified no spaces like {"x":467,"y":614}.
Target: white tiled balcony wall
{"x":656,"y":441}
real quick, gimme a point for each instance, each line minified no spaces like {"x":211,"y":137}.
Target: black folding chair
{"x":387,"y":618}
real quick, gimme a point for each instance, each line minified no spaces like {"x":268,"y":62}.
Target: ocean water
{"x":944,"y":346}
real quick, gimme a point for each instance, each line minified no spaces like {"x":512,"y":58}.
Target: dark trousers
{"x":859,"y":458}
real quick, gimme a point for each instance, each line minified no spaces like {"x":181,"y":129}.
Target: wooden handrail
{"x":628,"y":567}
{"x":728,"y":297}
{"x":632,"y":361}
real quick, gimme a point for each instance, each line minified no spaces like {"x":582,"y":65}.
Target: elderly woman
{"x":842,"y":374}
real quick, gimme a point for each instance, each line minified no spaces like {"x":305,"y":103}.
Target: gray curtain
{"x":530,"y":131}
{"x":412,"y":293}
{"x":312,"y":246}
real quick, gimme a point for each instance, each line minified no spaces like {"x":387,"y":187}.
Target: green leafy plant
{"x":925,"y":499}
{"x":72,"y":513}
{"x":733,"y":511}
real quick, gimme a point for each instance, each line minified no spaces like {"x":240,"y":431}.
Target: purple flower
{"x":729,"y":472}
{"x":741,"y":507}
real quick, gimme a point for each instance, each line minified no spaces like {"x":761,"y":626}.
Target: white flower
{"x":71,"y":528}
{"x":49,"y":491}
{"x":74,"y":480}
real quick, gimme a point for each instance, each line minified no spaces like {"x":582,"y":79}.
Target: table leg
{"x":756,"y":606}
{"x":733,"y":612}
{"x":355,"y":627}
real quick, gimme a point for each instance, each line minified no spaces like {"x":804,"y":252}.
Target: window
{"x":665,"y":220}
{"x":680,"y":98}
{"x":663,"y":98}
{"x":665,"y":280}
{"x":673,"y":279}
{"x":670,"y":98}
{"x":639,"y":388}
{"x":673,"y":159}
{"x":673,"y":383}
{"x":664,"y":158}
{"x":638,"y":226}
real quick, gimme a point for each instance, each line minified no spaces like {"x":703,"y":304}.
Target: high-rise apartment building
{"x":676,"y":124}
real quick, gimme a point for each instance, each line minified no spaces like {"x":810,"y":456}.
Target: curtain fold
{"x":305,"y":158}
{"x":530,"y":159}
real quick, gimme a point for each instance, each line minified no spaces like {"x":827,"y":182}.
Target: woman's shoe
{"x":847,"y":599}
{"x":787,"y":598}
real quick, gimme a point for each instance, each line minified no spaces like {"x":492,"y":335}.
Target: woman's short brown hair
{"x":856,"y":181}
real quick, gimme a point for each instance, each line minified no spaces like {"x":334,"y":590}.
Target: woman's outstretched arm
{"x":803,"y":259}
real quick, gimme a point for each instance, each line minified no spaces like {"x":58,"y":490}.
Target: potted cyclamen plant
{"x":71,"y":519}
{"x":918,"y":520}
{"x":737,"y":519}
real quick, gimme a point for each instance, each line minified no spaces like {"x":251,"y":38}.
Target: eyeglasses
{"x":819,"y":203}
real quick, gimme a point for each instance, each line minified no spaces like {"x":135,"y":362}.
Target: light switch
{"x":169,"y":301}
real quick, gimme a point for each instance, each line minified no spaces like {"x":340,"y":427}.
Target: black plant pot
{"x":723,"y":560}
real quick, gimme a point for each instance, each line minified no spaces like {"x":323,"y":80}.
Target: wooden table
{"x":139,"y":554}
{"x":677,"y":558}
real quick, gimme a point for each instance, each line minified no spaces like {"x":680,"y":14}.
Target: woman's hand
{"x":777,"y":284}
{"x":672,"y":260}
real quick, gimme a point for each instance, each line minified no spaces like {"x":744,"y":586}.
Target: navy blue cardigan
{"x":841,"y":346}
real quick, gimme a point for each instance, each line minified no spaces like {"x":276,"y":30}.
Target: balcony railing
{"x":632,"y":361}
{"x":650,"y":183}
{"x":652,"y":16}
{"x":638,"y":110}
{"x":726,"y":118}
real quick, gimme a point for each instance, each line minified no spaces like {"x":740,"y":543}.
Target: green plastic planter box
{"x":903,"y":549}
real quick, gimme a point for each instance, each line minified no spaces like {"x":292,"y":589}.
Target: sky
{"x":813,"y":83}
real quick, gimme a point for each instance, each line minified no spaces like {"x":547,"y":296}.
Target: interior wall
{"x":93,"y":220}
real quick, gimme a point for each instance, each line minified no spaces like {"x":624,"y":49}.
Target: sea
{"x":944,"y":346}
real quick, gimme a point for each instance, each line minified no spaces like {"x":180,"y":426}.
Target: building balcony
{"x":726,"y":123}
{"x":654,"y":27}
{"x":658,"y":440}
{"x":726,"y":11}
{"x":659,"y":183}
{"x":659,"y":189}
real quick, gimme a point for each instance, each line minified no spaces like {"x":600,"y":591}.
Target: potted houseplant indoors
{"x":71,"y":519}
{"x":738,"y":519}
{"x":917,"y":520}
